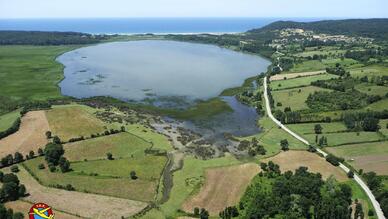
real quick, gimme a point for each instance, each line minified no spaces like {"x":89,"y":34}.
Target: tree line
{"x":48,"y":38}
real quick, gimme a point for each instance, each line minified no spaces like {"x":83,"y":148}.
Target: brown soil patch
{"x":30,"y":136}
{"x":24,"y":207}
{"x":78,"y":203}
{"x":376,"y":163}
{"x":292,"y":160}
{"x":279,"y":77}
{"x":223,"y":187}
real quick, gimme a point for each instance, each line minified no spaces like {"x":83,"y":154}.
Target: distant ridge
{"x":376,"y":28}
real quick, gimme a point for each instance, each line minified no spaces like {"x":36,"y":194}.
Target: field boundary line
{"x":372,"y":198}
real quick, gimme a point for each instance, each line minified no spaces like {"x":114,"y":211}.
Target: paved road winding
{"x":376,"y":205}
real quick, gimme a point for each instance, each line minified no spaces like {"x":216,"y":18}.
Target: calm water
{"x":142,"y":25}
{"x":156,"y":71}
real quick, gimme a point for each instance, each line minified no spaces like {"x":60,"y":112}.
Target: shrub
{"x":41,"y":166}
{"x":14,"y":169}
{"x":133,"y":175}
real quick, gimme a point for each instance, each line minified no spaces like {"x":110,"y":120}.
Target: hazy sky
{"x":192,"y":8}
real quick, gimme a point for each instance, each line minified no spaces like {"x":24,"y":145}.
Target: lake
{"x":158,"y":72}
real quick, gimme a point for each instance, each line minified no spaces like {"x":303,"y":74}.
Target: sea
{"x":143,"y":25}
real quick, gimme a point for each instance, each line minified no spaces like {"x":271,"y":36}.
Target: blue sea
{"x":142,"y":25}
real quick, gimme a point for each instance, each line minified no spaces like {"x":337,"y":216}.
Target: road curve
{"x":376,"y":205}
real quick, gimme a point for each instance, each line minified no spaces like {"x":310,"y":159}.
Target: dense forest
{"x":47,"y":38}
{"x":295,"y":195}
{"x":375,"y":28}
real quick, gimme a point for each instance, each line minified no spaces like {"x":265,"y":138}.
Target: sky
{"x":193,"y":8}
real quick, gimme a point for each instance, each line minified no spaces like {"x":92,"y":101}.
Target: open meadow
{"x":72,"y":121}
{"x":31,"y":72}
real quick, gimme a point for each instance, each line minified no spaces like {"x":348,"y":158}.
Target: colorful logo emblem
{"x":41,"y":211}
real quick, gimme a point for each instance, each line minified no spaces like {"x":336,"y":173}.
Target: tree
{"x":22,"y":190}
{"x":370,"y":124}
{"x":284,"y":144}
{"x":41,"y":166}
{"x":48,"y":135}
{"x":132,"y":174}
{"x":109,"y":156}
{"x":18,"y":157}
{"x":14,"y":169}
{"x":318,"y":129}
{"x":204,"y":214}
{"x":64,"y":164}
{"x":358,"y":213}
{"x":31,"y":154}
{"x":56,"y":140}
{"x":40,"y":152}
{"x":1,"y":176}
{"x":53,"y":152}
{"x":350,"y":174}
{"x":196,"y":211}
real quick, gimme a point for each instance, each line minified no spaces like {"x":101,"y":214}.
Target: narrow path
{"x":376,"y":205}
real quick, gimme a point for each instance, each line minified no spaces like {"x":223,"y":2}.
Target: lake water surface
{"x":166,"y":74}
{"x":155,"y":70}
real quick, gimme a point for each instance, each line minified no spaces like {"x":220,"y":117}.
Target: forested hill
{"x":47,"y":38}
{"x":375,"y":28}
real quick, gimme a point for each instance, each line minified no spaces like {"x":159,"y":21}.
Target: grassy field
{"x":142,"y":189}
{"x":189,"y":179}
{"x":8,"y":119}
{"x":335,"y":139}
{"x":379,"y":105}
{"x":31,"y":72}
{"x":71,"y":121}
{"x":294,"y":98}
{"x":372,"y":89}
{"x":367,"y":156}
{"x":78,"y":203}
{"x":122,"y":145}
{"x":158,"y":140}
{"x":372,"y":70}
{"x":92,"y":172}
{"x":308,"y":128}
{"x":223,"y":187}
{"x":329,"y":51}
{"x":298,"y":82}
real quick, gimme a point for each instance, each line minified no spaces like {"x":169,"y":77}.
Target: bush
{"x":133,"y":175}
{"x":350,"y":174}
{"x":41,"y":166}
{"x":14,"y":169}
{"x":334,"y":160}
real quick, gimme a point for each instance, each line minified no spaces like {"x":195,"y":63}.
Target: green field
{"x":272,"y":135}
{"x":31,"y":72}
{"x":316,"y":65}
{"x":354,"y":150}
{"x":122,"y":145}
{"x":158,"y":140}
{"x":335,"y":139}
{"x":370,"y":71}
{"x":379,"y":105}
{"x":294,"y":98}
{"x":308,"y":128}
{"x":8,"y":119}
{"x":298,"y":82}
{"x":114,"y":179}
{"x":72,"y":121}
{"x":372,"y":89}
{"x":327,"y":50}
